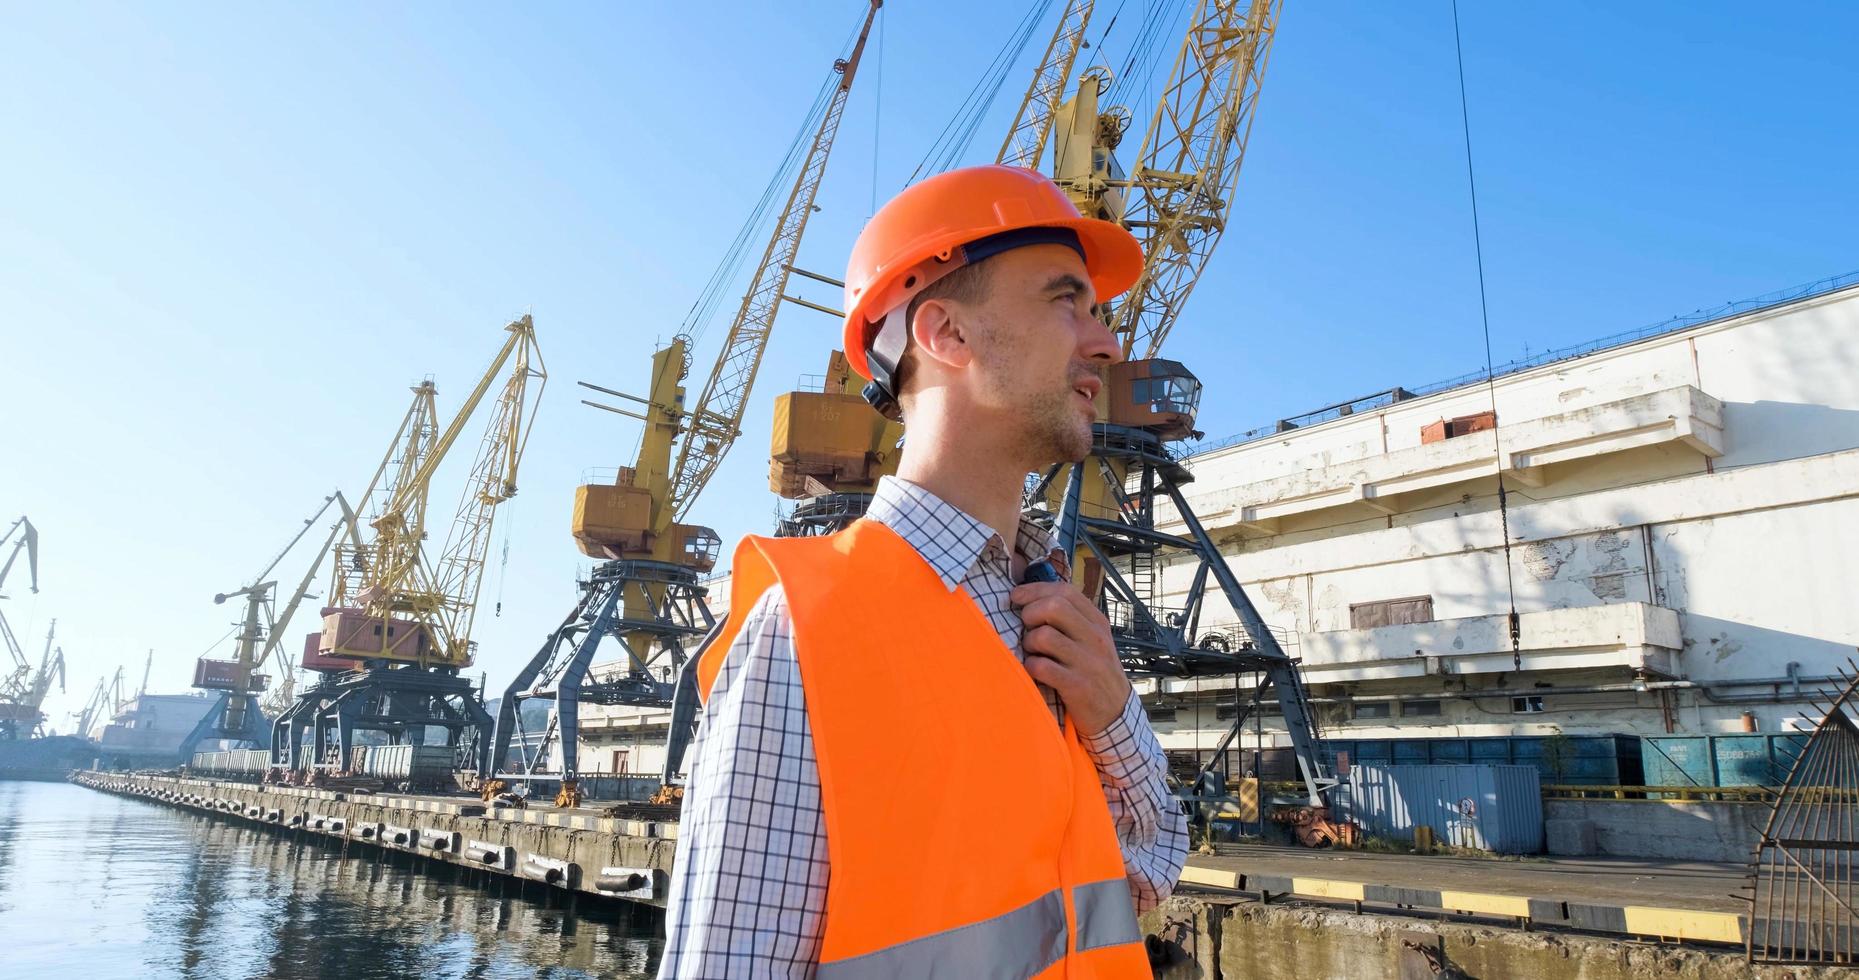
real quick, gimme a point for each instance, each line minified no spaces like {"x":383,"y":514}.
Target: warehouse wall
{"x":1752,"y":548}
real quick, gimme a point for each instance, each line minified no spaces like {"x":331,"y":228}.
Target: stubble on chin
{"x":1056,"y":433}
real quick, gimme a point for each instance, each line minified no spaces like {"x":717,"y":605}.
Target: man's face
{"x":1040,"y":352}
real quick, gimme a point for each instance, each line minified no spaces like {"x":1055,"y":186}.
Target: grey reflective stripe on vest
{"x":1106,"y":914}
{"x":1012,"y":946}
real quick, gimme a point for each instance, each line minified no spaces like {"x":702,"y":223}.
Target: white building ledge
{"x":1634,"y":636}
{"x":1631,"y":637}
{"x":1683,"y":416}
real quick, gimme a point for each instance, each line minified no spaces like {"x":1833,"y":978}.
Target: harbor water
{"x":104,"y":887}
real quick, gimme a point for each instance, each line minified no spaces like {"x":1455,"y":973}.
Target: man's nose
{"x":1095,"y":341}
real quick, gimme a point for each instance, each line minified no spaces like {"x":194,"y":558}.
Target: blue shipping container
{"x":1587,"y":760}
{"x":1485,"y":807}
{"x":1720,"y":760}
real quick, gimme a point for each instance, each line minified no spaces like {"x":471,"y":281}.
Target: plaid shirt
{"x":748,"y":893}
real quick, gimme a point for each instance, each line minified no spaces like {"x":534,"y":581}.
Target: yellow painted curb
{"x":1208,"y":876}
{"x":1324,"y":888}
{"x":1485,"y":903}
{"x":1716,"y":927}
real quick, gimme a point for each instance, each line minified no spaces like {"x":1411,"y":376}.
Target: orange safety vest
{"x":967,"y":833}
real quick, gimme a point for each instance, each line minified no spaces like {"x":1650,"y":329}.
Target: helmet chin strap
{"x":886,"y":350}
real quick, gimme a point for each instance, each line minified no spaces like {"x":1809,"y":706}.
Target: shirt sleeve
{"x":748,"y":888}
{"x":1151,"y":829}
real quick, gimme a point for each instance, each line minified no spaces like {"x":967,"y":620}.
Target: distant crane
{"x":22,"y":716}
{"x":647,"y":594}
{"x":397,"y":630}
{"x":19,"y":709}
{"x":236,"y":715}
{"x":98,"y":706}
{"x":106,"y":701}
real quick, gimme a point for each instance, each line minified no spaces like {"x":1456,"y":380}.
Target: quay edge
{"x":1192,"y":935}
{"x":628,"y":860}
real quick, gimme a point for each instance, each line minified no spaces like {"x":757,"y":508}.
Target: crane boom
{"x":1190,"y":162}
{"x":716,"y":420}
{"x":1025,"y":145}
{"x":282,"y":623}
{"x":392,"y":551}
{"x":388,"y":586}
{"x":29,"y":540}
{"x":492,"y":480}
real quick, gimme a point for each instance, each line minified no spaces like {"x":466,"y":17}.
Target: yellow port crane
{"x":647,"y":592}
{"x":236,"y":715}
{"x":397,"y":626}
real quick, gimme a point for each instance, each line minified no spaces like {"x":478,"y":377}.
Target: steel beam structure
{"x":235,"y":717}
{"x":824,"y":514}
{"x":317,"y":733}
{"x":1155,"y":641}
{"x":672,"y":597}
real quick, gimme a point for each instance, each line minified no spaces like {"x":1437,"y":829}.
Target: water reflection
{"x":138,"y":889}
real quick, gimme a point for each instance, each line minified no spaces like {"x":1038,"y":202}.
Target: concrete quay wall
{"x":1202,"y":938}
{"x":626,"y":859}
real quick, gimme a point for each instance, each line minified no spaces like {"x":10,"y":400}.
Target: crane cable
{"x":703,"y":309}
{"x":503,"y":564}
{"x":877,"y":115}
{"x":1146,"y":49}
{"x":959,"y":132}
{"x":1491,"y":388}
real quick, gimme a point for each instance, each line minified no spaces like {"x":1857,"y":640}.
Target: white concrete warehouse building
{"x":1683,"y":514}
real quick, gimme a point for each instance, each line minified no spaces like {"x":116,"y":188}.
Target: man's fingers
{"x":1050,"y":672}
{"x":1057,"y":611}
{"x":1052,"y":642}
{"x":1024,"y":595}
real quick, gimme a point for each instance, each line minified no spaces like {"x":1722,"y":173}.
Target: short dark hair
{"x":967,"y":284}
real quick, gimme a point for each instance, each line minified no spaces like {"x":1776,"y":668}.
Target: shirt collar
{"x":950,"y":539}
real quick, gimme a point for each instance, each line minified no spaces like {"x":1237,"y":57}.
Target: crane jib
{"x":726,"y":392}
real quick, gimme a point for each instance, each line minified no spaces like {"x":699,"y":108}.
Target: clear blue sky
{"x":231,"y":237}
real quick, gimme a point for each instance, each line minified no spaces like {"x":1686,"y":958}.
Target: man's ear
{"x":939,"y":335}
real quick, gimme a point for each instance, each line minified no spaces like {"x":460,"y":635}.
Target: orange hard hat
{"x":963,"y":216}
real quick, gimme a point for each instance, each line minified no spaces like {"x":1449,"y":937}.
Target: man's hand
{"x":1068,"y":648}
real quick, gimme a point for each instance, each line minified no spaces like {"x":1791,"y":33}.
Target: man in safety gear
{"x":919,"y":756}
